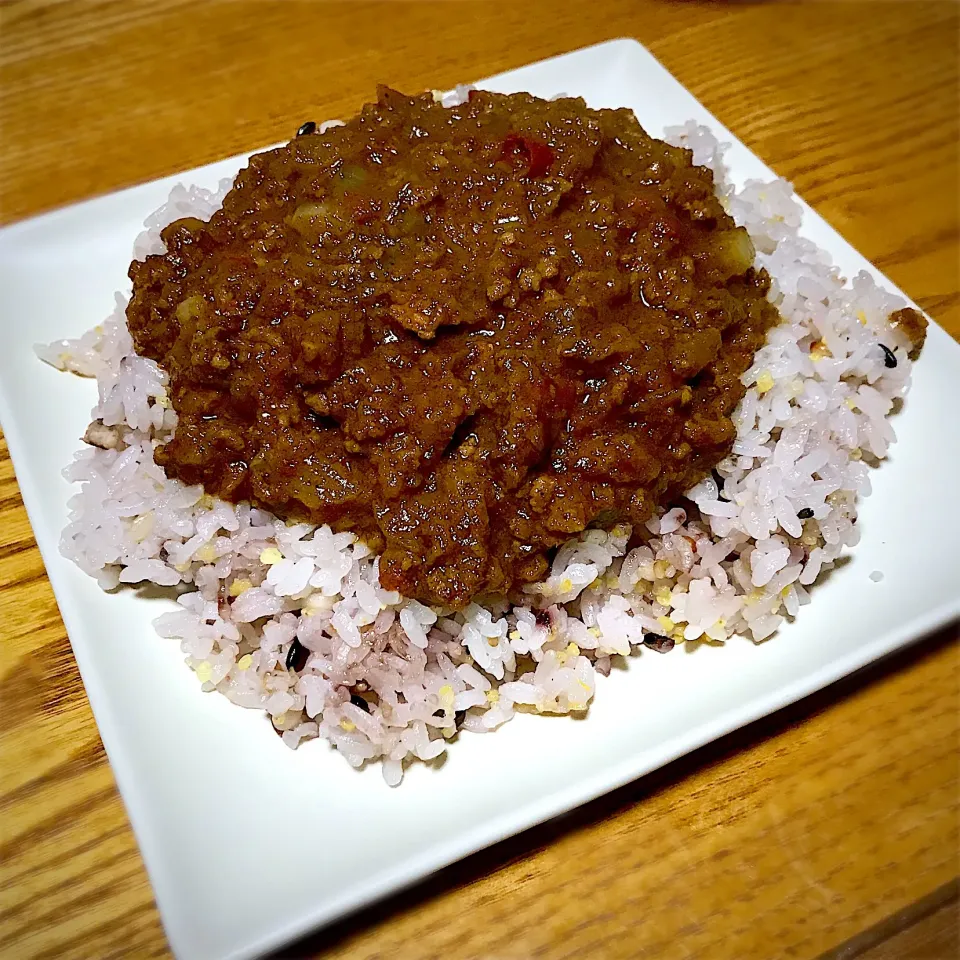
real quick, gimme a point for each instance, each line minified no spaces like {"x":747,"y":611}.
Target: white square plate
{"x":210,"y":789}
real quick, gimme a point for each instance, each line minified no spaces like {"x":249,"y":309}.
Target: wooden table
{"x":831,"y":827}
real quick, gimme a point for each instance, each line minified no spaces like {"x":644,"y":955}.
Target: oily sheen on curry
{"x":464,"y":334}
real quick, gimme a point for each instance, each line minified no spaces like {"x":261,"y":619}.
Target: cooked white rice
{"x":739,"y":562}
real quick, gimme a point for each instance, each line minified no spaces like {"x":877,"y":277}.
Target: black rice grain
{"x":297,"y":656}
{"x":656,"y":642}
{"x":360,"y":702}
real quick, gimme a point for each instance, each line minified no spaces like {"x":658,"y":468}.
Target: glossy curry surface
{"x":465,"y":334}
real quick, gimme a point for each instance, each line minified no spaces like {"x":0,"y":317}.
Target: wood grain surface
{"x":831,"y":828}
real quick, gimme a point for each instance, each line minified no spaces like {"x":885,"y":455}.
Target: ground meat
{"x":465,"y":334}
{"x":98,"y":434}
{"x":913,"y":325}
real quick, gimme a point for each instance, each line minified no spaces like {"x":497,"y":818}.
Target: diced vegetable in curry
{"x":465,"y":334}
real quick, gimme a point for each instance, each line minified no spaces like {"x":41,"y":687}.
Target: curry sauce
{"x":465,"y":334}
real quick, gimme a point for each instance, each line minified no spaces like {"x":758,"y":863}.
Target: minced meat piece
{"x":913,"y":325}
{"x":465,"y":334}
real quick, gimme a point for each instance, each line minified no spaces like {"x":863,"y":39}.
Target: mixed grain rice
{"x":386,"y":678}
